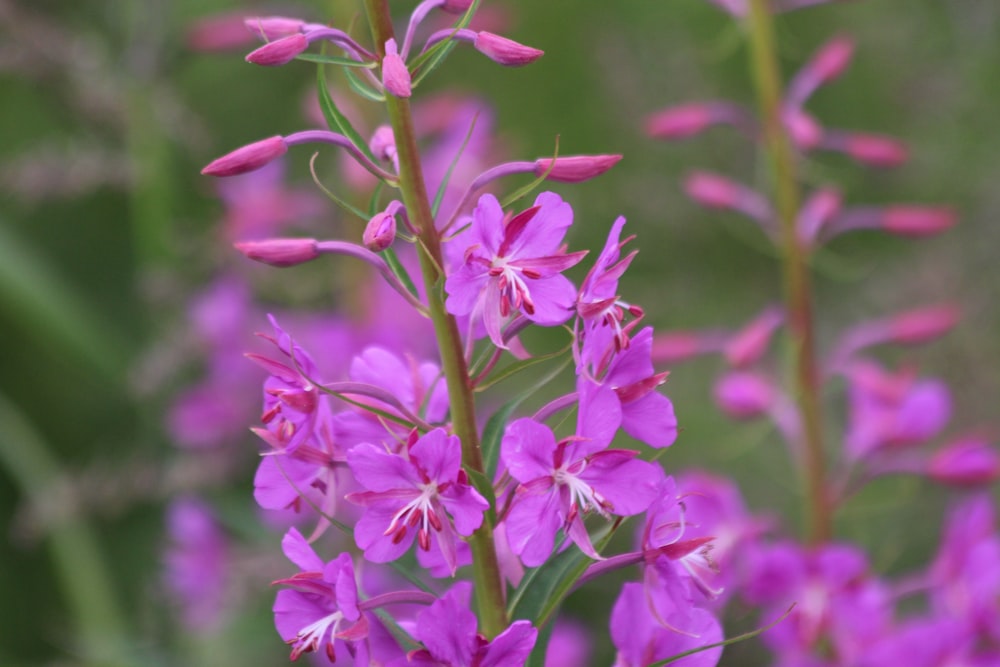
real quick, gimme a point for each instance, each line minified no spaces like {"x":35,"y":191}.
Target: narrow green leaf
{"x":526,"y":190}
{"x":347,"y":206}
{"x":439,"y":196}
{"x":362,"y":88}
{"x":434,"y":61}
{"x":324,"y":59}
{"x":485,"y":487}
{"x":537,"y":657}
{"x":521,"y":364}
{"x":727,"y":642}
{"x":373,"y":203}
{"x":399,"y":270}
{"x":543,"y":582}
{"x":336,"y":120}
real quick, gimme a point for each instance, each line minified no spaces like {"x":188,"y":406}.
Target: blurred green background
{"x":106,"y":229}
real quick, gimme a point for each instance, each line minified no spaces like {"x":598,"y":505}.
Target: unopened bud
{"x":924,"y":324}
{"x":272,"y":28}
{"x":918,"y":220}
{"x":751,"y":342}
{"x":383,"y":143}
{"x":968,"y":462}
{"x":805,"y":131}
{"x":712,"y":190}
{"x":279,"y":52}
{"x":744,"y":395}
{"x":832,"y":59}
{"x":395,"y":76}
{"x":876,"y":150}
{"x":505,"y":51}
{"x":679,"y":122}
{"x":575,"y":168}
{"x":279,"y":252}
{"x":248,"y":158}
{"x":818,"y":210}
{"x":380,"y":232}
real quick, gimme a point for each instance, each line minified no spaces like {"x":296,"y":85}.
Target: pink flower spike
{"x":280,"y":252}
{"x":505,"y":51}
{"x":923,"y":324}
{"x":271,"y":28}
{"x":395,"y":76}
{"x":917,"y":221}
{"x":248,"y":158}
{"x":279,"y":52}
{"x":575,"y":168}
{"x":965,"y":462}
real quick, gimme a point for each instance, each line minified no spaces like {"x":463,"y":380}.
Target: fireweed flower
{"x":421,"y":493}
{"x":514,"y":265}
{"x":641,"y":639}
{"x":448,"y":631}
{"x":318,"y":612}
{"x":562,"y":481}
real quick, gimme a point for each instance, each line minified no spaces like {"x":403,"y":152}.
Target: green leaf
{"x":521,"y":364}
{"x":336,"y":120}
{"x":451,"y":168}
{"x":437,"y":53}
{"x":324,"y":59}
{"x":485,"y":487}
{"x":545,"y":582}
{"x":537,"y":657}
{"x":399,"y":270}
{"x":373,"y":203}
{"x":493,"y":431}
{"x":362,"y":88}
{"x":347,"y":206}
{"x":727,"y":642}
{"x":524,"y":191}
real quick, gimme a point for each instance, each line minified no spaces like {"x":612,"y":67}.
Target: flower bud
{"x":832,"y":59}
{"x":383,"y":143}
{"x":744,"y":395}
{"x":380,"y":232}
{"x":279,"y":252}
{"x":750,"y":343}
{"x":712,"y":190}
{"x":505,"y":51}
{"x":575,"y":168}
{"x":248,"y":158}
{"x":279,"y":52}
{"x":395,"y":76}
{"x":967,"y":462}
{"x":679,"y":122}
{"x":818,"y":210}
{"x":273,"y":27}
{"x":805,"y":131}
{"x":924,"y":324}
{"x":876,"y":151}
{"x":917,"y":220}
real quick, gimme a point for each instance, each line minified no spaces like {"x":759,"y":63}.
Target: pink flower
{"x":515,"y":265}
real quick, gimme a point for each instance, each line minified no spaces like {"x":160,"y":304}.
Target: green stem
{"x":797,"y":279}
{"x":486,"y":569}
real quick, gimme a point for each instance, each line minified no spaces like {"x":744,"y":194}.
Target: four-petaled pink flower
{"x":561,"y":481}
{"x":513,"y":265}
{"x":412,"y":495}
{"x":448,"y":631}
{"x":319,"y":610}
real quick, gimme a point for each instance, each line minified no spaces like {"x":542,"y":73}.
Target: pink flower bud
{"x":917,"y":220}
{"x":280,"y":252}
{"x":575,"y":168}
{"x":383,"y":143}
{"x":924,"y":324}
{"x":679,"y":122}
{"x":712,"y":190}
{"x":876,"y":150}
{"x":248,"y":158}
{"x":805,"y":131}
{"x":380,"y":232}
{"x":395,"y":76}
{"x":967,"y":462}
{"x":456,"y":6}
{"x":505,"y":51}
{"x":744,"y":395}
{"x":271,"y":28}
{"x":751,"y":342}
{"x":279,"y":52}
{"x":832,"y":59}
{"x":819,"y":209}
{"x":678,"y":346}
